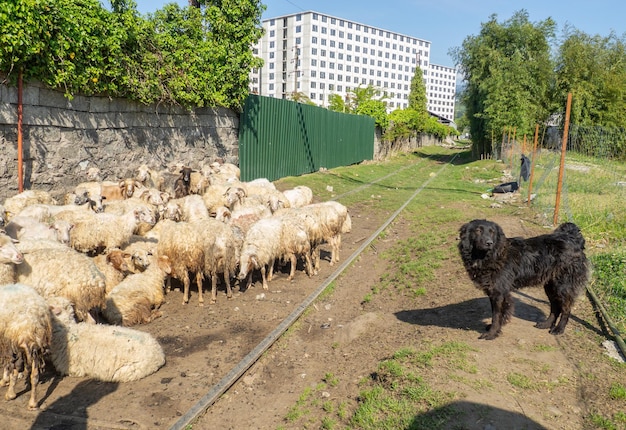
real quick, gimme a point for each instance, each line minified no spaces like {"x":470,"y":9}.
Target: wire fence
{"x":592,"y":194}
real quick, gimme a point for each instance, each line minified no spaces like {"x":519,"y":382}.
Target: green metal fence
{"x":279,"y":138}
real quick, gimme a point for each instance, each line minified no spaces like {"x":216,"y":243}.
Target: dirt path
{"x":346,"y":336}
{"x":348,"y":339}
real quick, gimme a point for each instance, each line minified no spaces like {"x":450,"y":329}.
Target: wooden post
{"x":20,"y":115}
{"x":532,"y":163}
{"x":559,"y":186}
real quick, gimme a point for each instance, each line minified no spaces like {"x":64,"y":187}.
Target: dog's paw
{"x":557,"y":330}
{"x":489,"y":335}
{"x":547,"y":323}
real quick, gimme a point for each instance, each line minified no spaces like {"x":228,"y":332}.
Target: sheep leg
{"x":213,"y":288}
{"x":264,"y":278}
{"x":199,"y":278}
{"x":185,"y":288}
{"x":5,"y":377}
{"x":270,"y":272}
{"x":307,"y":264}
{"x":294,"y":263}
{"x":34,"y":381}
{"x":10,"y":394}
{"x":315,"y":259}
{"x":229,"y":291}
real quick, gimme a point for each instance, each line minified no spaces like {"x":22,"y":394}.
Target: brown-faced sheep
{"x":124,"y":189}
{"x":137,"y":298}
{"x":25,"y":336}
{"x":80,"y":350}
{"x":114,"y":265}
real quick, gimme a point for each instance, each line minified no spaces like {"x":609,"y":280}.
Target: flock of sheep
{"x":75,"y":274}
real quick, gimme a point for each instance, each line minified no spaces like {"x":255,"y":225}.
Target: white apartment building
{"x":318,"y":55}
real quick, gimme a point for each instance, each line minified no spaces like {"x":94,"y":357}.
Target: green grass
{"x":398,"y":393}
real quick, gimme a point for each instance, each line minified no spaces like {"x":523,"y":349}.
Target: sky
{"x":446,"y":23}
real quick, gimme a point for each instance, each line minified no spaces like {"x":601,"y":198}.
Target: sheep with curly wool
{"x":222,"y":246}
{"x":328,"y":221}
{"x":188,"y":208}
{"x":80,"y":350}
{"x":261,"y":248}
{"x":25,"y":337}
{"x":299,"y":196}
{"x":66,"y":273}
{"x":15,"y":204}
{"x":100,"y":232}
{"x":138,"y":297}
{"x":184,"y":245}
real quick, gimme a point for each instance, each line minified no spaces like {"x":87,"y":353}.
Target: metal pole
{"x":20,"y":115}
{"x":559,"y":186}
{"x":532,"y":163}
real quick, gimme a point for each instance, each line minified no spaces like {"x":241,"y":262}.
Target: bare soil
{"x":348,"y":337}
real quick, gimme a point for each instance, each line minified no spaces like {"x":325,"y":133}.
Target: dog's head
{"x":480,"y":237}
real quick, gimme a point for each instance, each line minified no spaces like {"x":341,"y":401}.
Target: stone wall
{"x":63,"y":138}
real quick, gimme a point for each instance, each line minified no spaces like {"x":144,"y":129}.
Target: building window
{"x":272,"y":55}
{"x":299,"y":17}
{"x":271,"y":87}
{"x":298,"y":41}
{"x":324,"y":30}
{"x":315,"y":16}
{"x":298,"y":29}
{"x":313,"y":62}
{"x":271,"y":76}
{"x":333,"y":32}
{"x":272,"y":44}
{"x":271,"y":66}
{"x":313,"y":51}
{"x":272,"y":33}
{"x":324,"y":18}
{"x":314,"y":27}
{"x":272,"y":22}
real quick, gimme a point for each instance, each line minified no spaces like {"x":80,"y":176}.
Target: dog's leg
{"x":566,"y":309}
{"x":497,"y":302}
{"x":507,"y":308}
{"x":555,"y":306}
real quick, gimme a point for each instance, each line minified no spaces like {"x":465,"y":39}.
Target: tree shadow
{"x":70,"y":412}
{"x":472,"y":416}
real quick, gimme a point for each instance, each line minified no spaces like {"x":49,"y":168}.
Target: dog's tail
{"x":572,"y":231}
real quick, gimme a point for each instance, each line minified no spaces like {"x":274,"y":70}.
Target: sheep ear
{"x":138,"y":184}
{"x":121,"y":184}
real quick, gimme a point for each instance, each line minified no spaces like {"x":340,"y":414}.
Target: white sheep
{"x":327,"y":222}
{"x":14,"y":205}
{"x":222,"y":246}
{"x":4,"y":218}
{"x":299,"y":196}
{"x":25,"y":337}
{"x":260,"y":250}
{"x":26,"y":228}
{"x":103,"y":352}
{"x":66,"y":273}
{"x":100,"y":232}
{"x":9,"y":257}
{"x":184,"y":245}
{"x":150,"y":178}
{"x":137,"y":298}
{"x":188,"y":208}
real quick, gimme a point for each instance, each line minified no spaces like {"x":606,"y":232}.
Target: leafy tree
{"x":417,"y":95}
{"x":508,"y":70}
{"x":593,"y":69}
{"x":362,"y":101}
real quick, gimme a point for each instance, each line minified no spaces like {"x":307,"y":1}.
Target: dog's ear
{"x":464,"y":243}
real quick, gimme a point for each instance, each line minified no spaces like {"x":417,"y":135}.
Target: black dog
{"x":498,"y":265}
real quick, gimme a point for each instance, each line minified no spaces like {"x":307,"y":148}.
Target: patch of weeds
{"x":328,"y":423}
{"x":331,"y":380}
{"x":520,"y":381}
{"x":543,"y":348}
{"x":617,"y":391}
{"x":476,"y":384}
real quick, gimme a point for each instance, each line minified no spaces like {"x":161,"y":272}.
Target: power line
{"x":293,"y":4}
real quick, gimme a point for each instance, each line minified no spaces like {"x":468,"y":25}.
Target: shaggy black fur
{"x":498,"y":265}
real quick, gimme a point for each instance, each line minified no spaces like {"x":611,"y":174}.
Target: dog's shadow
{"x":468,"y":315}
